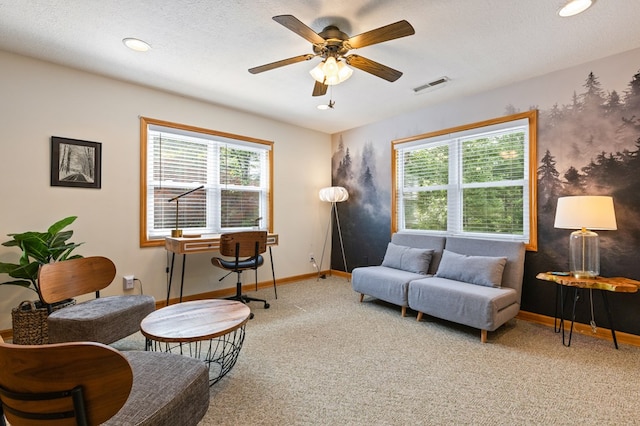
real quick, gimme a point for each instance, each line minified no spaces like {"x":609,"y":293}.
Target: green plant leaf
{"x":10,"y":243}
{"x":28,"y":271}
{"x":7,"y":268}
{"x":25,"y":284}
{"x":61,"y":224}
{"x":35,"y":245}
{"x":60,"y":238}
{"x":68,"y":249}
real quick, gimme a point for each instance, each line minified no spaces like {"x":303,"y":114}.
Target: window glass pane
{"x":498,"y":157}
{"x":240,"y":208}
{"x":426,"y":167}
{"x":179,"y":160}
{"x":240,"y":167}
{"x":192,"y":209}
{"x":425,"y":210}
{"x":493,"y":210}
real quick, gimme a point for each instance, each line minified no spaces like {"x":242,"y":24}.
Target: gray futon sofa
{"x":474,"y":282}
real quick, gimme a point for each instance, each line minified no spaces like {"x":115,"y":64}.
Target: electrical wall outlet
{"x":127,"y":282}
{"x":311,"y":258}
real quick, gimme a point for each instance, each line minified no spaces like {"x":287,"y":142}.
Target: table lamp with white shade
{"x":585,"y":213}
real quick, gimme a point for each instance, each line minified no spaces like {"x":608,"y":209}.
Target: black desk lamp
{"x":176,"y":233}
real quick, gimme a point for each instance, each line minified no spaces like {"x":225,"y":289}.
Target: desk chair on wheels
{"x":246,"y":249}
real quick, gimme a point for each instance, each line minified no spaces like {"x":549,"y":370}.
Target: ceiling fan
{"x":332,"y":45}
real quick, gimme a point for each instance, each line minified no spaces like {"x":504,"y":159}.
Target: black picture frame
{"x":76,"y":163}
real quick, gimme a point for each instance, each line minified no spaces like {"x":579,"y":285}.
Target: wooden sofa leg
{"x":419,"y":317}
{"x":483,"y":336}
{"x":361,"y":297}
{"x":404,"y":311}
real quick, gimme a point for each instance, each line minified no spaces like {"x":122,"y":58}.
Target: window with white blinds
{"x":230,"y":177}
{"x":473,"y":181}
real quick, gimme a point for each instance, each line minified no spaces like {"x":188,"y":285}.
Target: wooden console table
{"x":604,"y":284}
{"x":202,"y":244}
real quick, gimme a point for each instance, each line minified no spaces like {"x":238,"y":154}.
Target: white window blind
{"x":234,"y":176}
{"x":473,"y":182}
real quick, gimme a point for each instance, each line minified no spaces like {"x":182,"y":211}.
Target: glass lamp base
{"x":584,"y":254}
{"x":583,"y":274}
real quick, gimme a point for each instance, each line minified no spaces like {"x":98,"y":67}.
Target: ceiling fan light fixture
{"x":344,"y":72}
{"x":331,"y":72}
{"x":330,"y":67}
{"x":574,"y":7}
{"x":317,"y":73}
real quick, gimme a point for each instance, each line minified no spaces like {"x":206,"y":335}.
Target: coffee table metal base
{"x":220,"y":354}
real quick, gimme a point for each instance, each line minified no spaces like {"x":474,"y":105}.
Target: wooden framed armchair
{"x":103,"y":319}
{"x":86,"y":383}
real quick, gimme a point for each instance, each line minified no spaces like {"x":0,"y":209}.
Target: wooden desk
{"x":614,"y":284}
{"x":202,"y":244}
{"x":210,"y":330}
{"x":207,"y":243}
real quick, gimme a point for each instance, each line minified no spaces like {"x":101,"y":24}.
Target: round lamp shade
{"x":334,"y":194}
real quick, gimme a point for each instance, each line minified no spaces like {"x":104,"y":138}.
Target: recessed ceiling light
{"x":574,"y":7}
{"x":136,"y":44}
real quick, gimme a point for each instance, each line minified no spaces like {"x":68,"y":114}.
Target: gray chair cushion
{"x":477,"y":306}
{"x":514,"y":252}
{"x":407,"y":258}
{"x":480,"y":270}
{"x":422,"y":241}
{"x":103,"y":320}
{"x":168,"y":389}
{"x":383,"y":283}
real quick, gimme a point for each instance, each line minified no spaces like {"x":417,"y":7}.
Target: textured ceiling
{"x":203,"y":48}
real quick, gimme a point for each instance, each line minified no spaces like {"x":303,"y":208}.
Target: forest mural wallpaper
{"x":588,"y":144}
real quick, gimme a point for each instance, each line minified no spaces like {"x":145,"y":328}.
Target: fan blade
{"x":277,"y":64}
{"x":319,"y":89}
{"x":386,"y":33}
{"x":373,"y":67}
{"x":294,"y":24}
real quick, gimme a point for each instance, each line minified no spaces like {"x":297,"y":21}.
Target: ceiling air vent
{"x":431,"y":85}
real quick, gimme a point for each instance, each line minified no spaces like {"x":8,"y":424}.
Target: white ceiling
{"x":203,"y":48}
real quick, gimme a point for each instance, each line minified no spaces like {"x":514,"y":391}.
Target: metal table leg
{"x":173,"y":258}
{"x":573,"y":318}
{"x":610,"y":316}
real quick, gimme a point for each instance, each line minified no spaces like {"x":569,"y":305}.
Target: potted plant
{"x":38,"y":248}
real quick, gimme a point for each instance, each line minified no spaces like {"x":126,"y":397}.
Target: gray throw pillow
{"x":480,"y":270}
{"x":407,"y":259}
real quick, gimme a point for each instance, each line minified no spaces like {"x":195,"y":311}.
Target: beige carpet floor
{"x":319,"y":357}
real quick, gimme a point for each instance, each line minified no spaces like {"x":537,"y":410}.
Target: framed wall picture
{"x":75,"y":163}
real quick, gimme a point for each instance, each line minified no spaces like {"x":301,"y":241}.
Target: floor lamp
{"x":333,"y":195}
